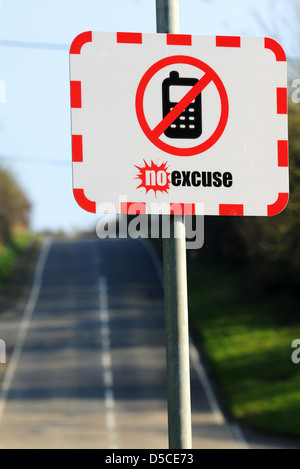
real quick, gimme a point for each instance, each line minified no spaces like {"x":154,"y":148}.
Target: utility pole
{"x":175,"y":294}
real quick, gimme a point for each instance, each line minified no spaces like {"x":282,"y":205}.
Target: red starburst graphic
{"x":154,"y":177}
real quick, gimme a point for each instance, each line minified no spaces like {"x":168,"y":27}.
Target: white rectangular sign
{"x":174,"y":123}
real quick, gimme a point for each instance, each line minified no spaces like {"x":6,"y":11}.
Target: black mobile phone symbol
{"x":189,"y":123}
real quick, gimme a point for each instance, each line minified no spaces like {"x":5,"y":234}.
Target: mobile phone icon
{"x":189,"y":123}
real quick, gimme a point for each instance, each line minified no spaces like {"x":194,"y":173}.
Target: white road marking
{"x":106,"y":360}
{"x":218,"y":415}
{"x":108,"y":379}
{"x":109,"y":400}
{"x":24,"y":326}
{"x":239,"y":436}
{"x":194,"y":355}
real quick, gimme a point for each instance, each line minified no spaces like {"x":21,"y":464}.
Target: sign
{"x":172,"y":123}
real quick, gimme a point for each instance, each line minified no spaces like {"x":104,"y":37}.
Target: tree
{"x":283,"y":25}
{"x":273,"y":243}
{"x":14,"y":208}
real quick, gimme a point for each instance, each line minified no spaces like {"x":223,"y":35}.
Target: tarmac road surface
{"x":87,"y":361}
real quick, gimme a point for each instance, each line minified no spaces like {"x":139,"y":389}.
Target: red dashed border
{"x":179,"y":208}
{"x":129,"y":38}
{"x":77,"y":153}
{"x":179,"y":40}
{"x":228,"y":41}
{"x":75,"y":89}
{"x":278,"y":205}
{"x":282,"y":107}
{"x":275,"y":47}
{"x":283,"y":153}
{"x":79,"y":41}
{"x":231,"y":209}
{"x":83,"y":201}
{"x":133,"y":208}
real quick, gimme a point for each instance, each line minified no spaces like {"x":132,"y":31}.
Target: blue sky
{"x":35,"y":128}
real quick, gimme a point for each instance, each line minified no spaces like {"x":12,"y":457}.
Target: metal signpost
{"x":175,"y":295}
{"x":175,"y":124}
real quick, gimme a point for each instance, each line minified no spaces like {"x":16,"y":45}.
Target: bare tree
{"x":283,"y":25}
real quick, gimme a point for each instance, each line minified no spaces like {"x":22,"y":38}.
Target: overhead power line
{"x":65,"y":47}
{"x":34,"y":45}
{"x":36,"y":160}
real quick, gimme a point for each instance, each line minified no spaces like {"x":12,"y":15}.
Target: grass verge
{"x":247,"y":337}
{"x":9,"y":253}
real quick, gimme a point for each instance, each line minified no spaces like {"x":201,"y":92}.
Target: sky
{"x":35,"y":123}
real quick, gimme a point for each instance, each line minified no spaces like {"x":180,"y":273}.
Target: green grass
{"x":8,"y":254}
{"x":247,"y":337}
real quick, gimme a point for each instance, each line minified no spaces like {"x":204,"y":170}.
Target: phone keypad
{"x":185,"y":120}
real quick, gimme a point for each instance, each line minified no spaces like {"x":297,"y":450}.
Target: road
{"x":87,"y":368}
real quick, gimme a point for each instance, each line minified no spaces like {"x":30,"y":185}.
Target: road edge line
{"x":195,"y":359}
{"x":24,"y":325}
{"x":107,"y":373}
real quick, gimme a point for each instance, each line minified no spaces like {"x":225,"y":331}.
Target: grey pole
{"x":175,"y":296}
{"x":167,"y":16}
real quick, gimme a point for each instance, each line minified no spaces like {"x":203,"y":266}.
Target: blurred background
{"x":244,"y":283}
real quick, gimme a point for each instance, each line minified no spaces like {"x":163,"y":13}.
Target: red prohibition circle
{"x":139,"y":105}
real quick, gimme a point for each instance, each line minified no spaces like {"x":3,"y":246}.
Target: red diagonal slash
{"x":154,"y":135}
{"x":181,"y":105}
